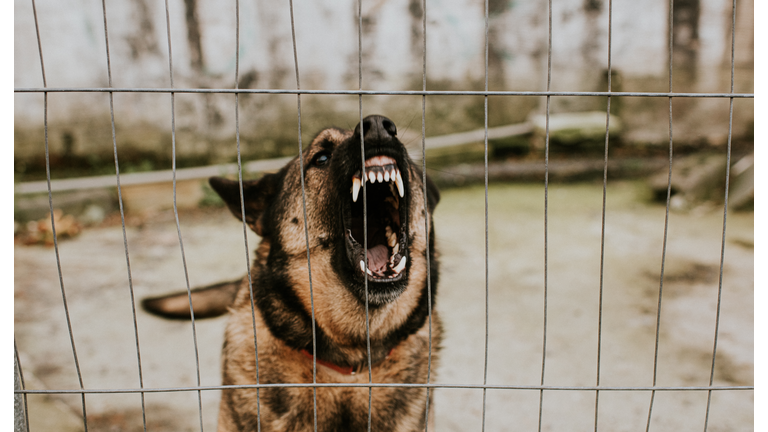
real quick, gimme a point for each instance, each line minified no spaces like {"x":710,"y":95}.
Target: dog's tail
{"x":207,"y":302}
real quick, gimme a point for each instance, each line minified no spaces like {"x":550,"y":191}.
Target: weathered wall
{"x":203,"y":44}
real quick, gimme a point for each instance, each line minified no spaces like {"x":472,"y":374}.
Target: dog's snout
{"x":377,"y":128}
{"x":389,"y":126}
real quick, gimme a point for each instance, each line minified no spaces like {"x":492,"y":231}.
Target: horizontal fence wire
{"x":391,"y":385}
{"x":380,"y":92}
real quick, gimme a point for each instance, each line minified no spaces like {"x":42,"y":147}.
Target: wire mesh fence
{"x":544,"y":386}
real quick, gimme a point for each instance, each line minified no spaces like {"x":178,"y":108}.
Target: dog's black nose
{"x":376,"y":127}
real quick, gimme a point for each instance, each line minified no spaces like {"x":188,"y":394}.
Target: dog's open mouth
{"x":386,"y":217}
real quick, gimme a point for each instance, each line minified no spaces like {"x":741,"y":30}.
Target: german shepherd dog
{"x":286,"y":292}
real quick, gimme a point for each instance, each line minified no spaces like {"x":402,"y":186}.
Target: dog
{"x":286,"y":296}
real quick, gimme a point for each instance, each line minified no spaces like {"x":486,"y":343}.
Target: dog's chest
{"x":342,"y":409}
{"x":334,"y":405}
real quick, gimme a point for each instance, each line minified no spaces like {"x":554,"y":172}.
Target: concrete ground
{"x":95,"y":277}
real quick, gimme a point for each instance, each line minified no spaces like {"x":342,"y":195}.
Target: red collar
{"x":344,"y":370}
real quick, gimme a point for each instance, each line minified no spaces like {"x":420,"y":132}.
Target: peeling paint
{"x":685,"y":37}
{"x":593,"y":6}
{"x":143,"y":39}
{"x":393,"y":42}
{"x":193,"y":35}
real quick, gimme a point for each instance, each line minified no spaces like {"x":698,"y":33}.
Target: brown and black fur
{"x":399,"y":310}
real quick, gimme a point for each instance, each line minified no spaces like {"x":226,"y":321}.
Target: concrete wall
{"x":204,"y":55}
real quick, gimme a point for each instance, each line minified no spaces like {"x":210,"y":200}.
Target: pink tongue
{"x":377,"y":258}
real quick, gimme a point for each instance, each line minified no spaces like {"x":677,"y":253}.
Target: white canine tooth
{"x":386,"y":176}
{"x":371,"y":177}
{"x":362,"y":266}
{"x":400,"y":187}
{"x":400,"y":266}
{"x":369,"y":272}
{"x":380,"y":177}
{"x":355,"y":188}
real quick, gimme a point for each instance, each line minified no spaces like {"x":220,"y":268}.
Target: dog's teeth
{"x":380,"y":177}
{"x":400,"y":266}
{"x":391,"y":237}
{"x":369,"y":272}
{"x":400,"y":187}
{"x":371,"y":177}
{"x":362,"y":267}
{"x":386,"y":176}
{"x":355,"y":188}
{"x":395,"y":249}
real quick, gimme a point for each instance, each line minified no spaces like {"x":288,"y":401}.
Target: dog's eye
{"x":321,"y":159}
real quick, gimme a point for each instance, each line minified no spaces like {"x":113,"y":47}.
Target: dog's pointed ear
{"x":257,"y":195}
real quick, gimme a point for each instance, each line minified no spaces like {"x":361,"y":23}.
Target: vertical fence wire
{"x":725,"y":216}
{"x":546,"y":212}
{"x":306,"y":228}
{"x":23,"y":387}
{"x":242,"y":213}
{"x":365,"y":199}
{"x":666,"y":225}
{"x":427,"y":227}
{"x":485,"y":176}
{"x":122,"y":216}
{"x":53,"y":222}
{"x":176,"y":215}
{"x":602,"y":227}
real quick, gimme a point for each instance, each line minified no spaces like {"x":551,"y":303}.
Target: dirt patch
{"x":691,"y":273}
{"x":158,"y":418}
